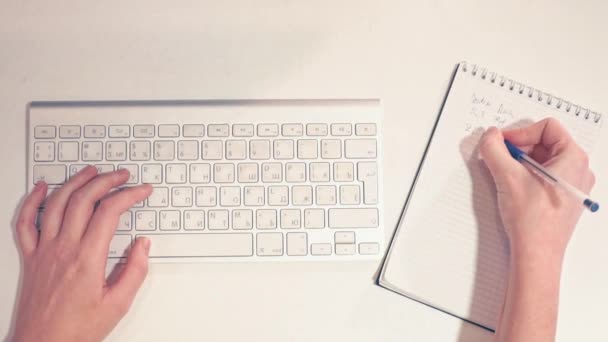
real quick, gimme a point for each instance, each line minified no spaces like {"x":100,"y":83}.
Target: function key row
{"x":198,"y":130}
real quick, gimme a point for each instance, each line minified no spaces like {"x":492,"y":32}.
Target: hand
{"x":64,"y":295}
{"x":536,"y":215}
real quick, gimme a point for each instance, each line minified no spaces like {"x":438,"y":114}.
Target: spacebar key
{"x":200,"y":245}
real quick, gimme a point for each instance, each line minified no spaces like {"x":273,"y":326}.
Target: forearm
{"x":531,"y":303}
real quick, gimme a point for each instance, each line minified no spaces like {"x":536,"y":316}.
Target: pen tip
{"x":593,"y":206}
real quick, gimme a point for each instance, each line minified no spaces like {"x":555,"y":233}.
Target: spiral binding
{"x":534,"y":94}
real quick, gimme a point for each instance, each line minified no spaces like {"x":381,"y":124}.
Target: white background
{"x":400,"y":51}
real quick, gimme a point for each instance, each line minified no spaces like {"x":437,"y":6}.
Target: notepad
{"x":449,"y":250}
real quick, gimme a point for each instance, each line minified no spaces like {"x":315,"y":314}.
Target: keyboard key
{"x":350,"y":194}
{"x":242,"y":219}
{"x":159,"y":197}
{"x":139,"y":150}
{"x":346,"y":248}
{"x":68,"y":151}
{"x":248,"y":173}
{"x":353,"y":218}
{"x":344,"y":237}
{"x":292,"y":130}
{"x":206,"y":196}
{"x":218,"y":130}
{"x":51,"y":174}
{"x":319,"y":172}
{"x":369,"y":248}
{"x":320,"y":249}
{"x":223,"y":173}
{"x":75,"y":168}
{"x":193,"y":131}
{"x":201,"y":245}
{"x":343,"y":172}
{"x":266,"y":219}
{"x":268,"y":130}
{"x":297,"y":244}
{"x":169,"y":220}
{"x":168,"y":131}
{"x":367,"y":172}
{"x":242,"y":130}
{"x":365,"y":129}
{"x":200,"y":173}
{"x":278,"y":195}
{"x":152,"y":173}
{"x":283,"y":149}
{"x":269,"y":244}
{"x":125,"y":221}
{"x":187,"y":150}
{"x":69,"y":132}
{"x":272,"y":172}
{"x":119,"y":245}
{"x":254,"y":196}
{"x":164,"y":150}
{"x":301,"y":195}
{"x":236,"y":149}
{"x":360,"y":148}
{"x":176,"y":174}
{"x":44,"y":132}
{"x":314,"y":218}
{"x":290,"y":218}
{"x":331,"y":149}
{"x":295,"y":172}
{"x":212,"y":150}
{"x":194,"y":220}
{"x":116,"y":150}
{"x":341,"y":129}
{"x":94,"y":131}
{"x":181,"y":196}
{"x":133,"y":172}
{"x":307,"y":149}
{"x":326,"y":194}
{"x":218,"y":219}
{"x":145,"y":220}
{"x":104,"y":168}
{"x":230,"y":196}
{"x":143,"y":131}
{"x":92,"y":151}
{"x":119,"y":131}
{"x":259,"y":149}
{"x":44,"y":151}
{"x":316,"y":129}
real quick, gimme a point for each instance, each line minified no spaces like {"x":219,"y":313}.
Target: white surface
{"x":402,"y":52}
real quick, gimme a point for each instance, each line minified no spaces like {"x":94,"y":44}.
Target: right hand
{"x":537,"y":217}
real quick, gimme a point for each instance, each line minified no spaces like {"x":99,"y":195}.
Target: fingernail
{"x":38,"y":185}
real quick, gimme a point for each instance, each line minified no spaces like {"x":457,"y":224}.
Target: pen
{"x":523,"y":158}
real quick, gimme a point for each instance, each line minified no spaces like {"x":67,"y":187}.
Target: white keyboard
{"x":233,"y":180}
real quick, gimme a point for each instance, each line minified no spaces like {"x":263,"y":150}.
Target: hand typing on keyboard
{"x":64,"y":294}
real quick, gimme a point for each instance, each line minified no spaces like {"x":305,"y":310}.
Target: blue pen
{"x":523,"y":158}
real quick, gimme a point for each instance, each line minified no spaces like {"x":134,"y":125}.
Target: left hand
{"x":64,"y":294}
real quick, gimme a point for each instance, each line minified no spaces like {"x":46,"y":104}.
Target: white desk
{"x":402,"y":52}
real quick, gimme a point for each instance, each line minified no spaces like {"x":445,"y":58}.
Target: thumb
{"x":122,"y":292}
{"x":496,"y":156}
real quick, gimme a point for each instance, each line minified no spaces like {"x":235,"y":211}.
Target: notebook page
{"x":450,"y":250}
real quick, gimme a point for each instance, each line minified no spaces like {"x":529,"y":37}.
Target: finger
{"x":82,"y":203}
{"x":548,"y":132}
{"x":27,"y":233}
{"x":496,"y":156}
{"x":96,"y":239}
{"x":122,"y":292}
{"x":54,"y":210}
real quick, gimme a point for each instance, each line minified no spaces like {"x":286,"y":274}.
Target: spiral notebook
{"x":449,"y":250}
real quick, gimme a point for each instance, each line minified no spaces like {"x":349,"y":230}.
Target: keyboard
{"x":232,"y":180}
